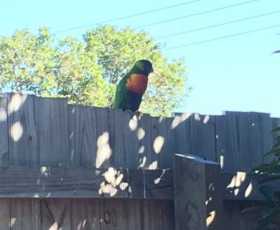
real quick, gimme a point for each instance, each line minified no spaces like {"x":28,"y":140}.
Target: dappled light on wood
{"x":153,"y":165}
{"x":141,"y":149}
{"x":142,"y":161}
{"x":54,"y":226}
{"x":82,"y":224}
{"x":13,"y":221}
{"x":16,"y":131}
{"x":206,"y":119}
{"x":158,"y":144}
{"x":140,"y":133}
{"x":177,"y":120}
{"x":158,"y":180}
{"x":210,"y":218}
{"x":222,"y":161}
{"x":16,"y":102}
{"x":133,"y":123}
{"x":113,"y":182}
{"x":44,"y":170}
{"x":248,"y":190}
{"x":236,"y":182}
{"x":3,"y":114}
{"x":104,"y":150}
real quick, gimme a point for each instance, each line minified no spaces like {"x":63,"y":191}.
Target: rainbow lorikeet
{"x":132,"y":86}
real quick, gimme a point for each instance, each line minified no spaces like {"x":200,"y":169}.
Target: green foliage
{"x":267,"y":176}
{"x":86,"y":71}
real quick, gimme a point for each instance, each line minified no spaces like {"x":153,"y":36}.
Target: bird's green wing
{"x":121,"y":94}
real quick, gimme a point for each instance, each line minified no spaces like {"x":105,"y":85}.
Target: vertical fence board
{"x":267,"y":139}
{"x":82,"y":136}
{"x":260,"y":138}
{"x":162,"y":146}
{"x":4,"y":144}
{"x":22,"y":215}
{"x":203,"y":137}
{"x":189,"y":173}
{"x":131,"y":143}
{"x":255,"y":141}
{"x":85,"y":214}
{"x":243,"y":160}
{"x":231,"y":142}
{"x":52,"y":123}
{"x":226,"y":141}
{"x":125,"y":143}
{"x":181,"y":126}
{"x":104,"y":142}
{"x":133,"y":209}
{"x":55,"y":214}
{"x":170,"y":147}
{"x":160,"y":131}
{"x":5,"y":219}
{"x":250,"y":140}
{"x":145,"y":142}
{"x":156,"y":150}
{"x":220,"y":138}
{"x":117,"y":137}
{"x":165,"y":216}
{"x":23,"y":144}
{"x":157,"y":215}
{"x":115,"y":215}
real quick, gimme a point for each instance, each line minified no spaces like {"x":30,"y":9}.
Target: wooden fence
{"x":51,"y":150}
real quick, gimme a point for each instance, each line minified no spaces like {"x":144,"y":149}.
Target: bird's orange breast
{"x":137,"y":83}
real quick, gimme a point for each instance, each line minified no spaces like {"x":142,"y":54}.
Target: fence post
{"x":197,"y":193}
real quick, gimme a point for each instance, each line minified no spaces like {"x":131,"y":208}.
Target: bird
{"x":132,"y":86}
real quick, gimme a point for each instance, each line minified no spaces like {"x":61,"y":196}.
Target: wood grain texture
{"x":104,"y":138}
{"x":158,"y":184}
{"x":82,"y":136}
{"x":86,"y":214}
{"x":267,"y":138}
{"x":181,"y":126}
{"x":157,"y":215}
{"x":159,"y":143}
{"x":25,"y":214}
{"x":145,"y":143}
{"x":190,"y":210}
{"x":227,"y":141}
{"x":115,"y":215}
{"x":55,"y":214}
{"x":23,"y":138}
{"x":131,"y":140}
{"x":52,"y":129}
{"x":4,"y":143}
{"x":5,"y":211}
{"x":202,"y":134}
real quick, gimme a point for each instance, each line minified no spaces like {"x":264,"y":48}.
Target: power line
{"x":130,"y":16}
{"x":198,"y":14}
{"x":224,"y":37}
{"x":219,"y":25}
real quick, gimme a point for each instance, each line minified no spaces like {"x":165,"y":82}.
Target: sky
{"x":229,"y":67}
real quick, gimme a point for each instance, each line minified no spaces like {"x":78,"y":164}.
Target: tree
{"x":267,"y":176}
{"x":86,"y":71}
